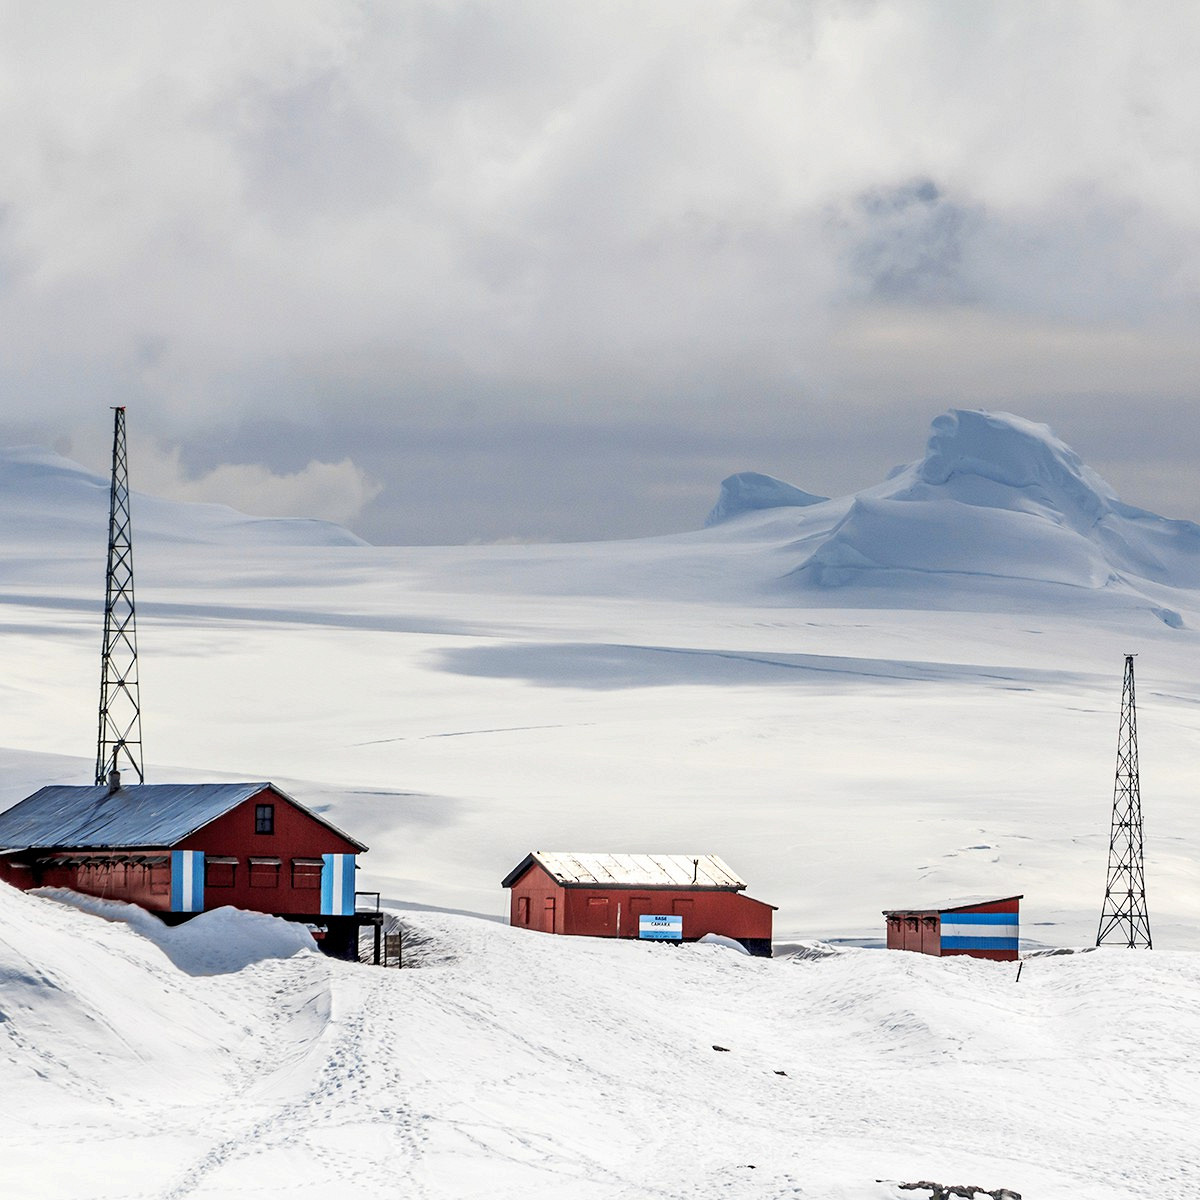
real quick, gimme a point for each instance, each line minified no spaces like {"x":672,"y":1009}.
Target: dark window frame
{"x":307,"y":875}
{"x":264,"y":874}
{"x":214,"y":871}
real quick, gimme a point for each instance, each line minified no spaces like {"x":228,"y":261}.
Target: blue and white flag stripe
{"x":337,"y":885}
{"x":979,"y":943}
{"x":980,"y":931}
{"x":957,"y":930}
{"x":971,"y":918}
{"x":187,"y":880}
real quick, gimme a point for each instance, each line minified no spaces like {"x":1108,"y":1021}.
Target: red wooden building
{"x":179,"y":849}
{"x":988,"y":928}
{"x":676,"y":897}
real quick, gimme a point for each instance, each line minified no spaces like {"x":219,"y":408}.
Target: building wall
{"x":114,"y":876}
{"x":1009,"y":953}
{"x":919,"y":933}
{"x":537,"y":902}
{"x":296,"y":835}
{"x":924,"y":933}
{"x":16,"y":874}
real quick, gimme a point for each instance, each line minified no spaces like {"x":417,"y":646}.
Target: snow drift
{"x":510,"y":1065}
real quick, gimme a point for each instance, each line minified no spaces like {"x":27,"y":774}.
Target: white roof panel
{"x":638,"y":870}
{"x":954,"y":903}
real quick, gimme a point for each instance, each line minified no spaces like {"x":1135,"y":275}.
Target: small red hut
{"x":672,"y":897}
{"x":180,"y":849}
{"x":988,"y":928}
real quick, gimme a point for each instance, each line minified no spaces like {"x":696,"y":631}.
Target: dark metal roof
{"x":146,"y":814}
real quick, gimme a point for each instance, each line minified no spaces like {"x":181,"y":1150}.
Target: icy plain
{"x":900,"y":696}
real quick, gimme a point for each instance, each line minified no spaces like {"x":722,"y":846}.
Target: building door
{"x":548,"y":916}
{"x":599,"y":917}
{"x":638,"y":905}
{"x":931,"y":935}
{"x":684,"y":909}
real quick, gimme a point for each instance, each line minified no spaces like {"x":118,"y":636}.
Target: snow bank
{"x":717,"y":939}
{"x":211,"y":943}
{"x":515,"y":1064}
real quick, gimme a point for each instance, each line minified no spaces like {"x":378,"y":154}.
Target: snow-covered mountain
{"x":748,"y":491}
{"x":996,"y":499}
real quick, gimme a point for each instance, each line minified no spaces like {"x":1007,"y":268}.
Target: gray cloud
{"x":539,"y":270}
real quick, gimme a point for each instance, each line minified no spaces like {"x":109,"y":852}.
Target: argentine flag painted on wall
{"x":187,"y":880}
{"x":337,"y":885}
{"x":980,"y":931}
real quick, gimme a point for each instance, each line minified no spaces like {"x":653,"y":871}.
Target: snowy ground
{"x":507,"y":1064}
{"x":892,"y":698}
{"x":457,"y":708}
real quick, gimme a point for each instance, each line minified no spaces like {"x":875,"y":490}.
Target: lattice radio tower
{"x":1124,"y":920}
{"x":119,"y":744}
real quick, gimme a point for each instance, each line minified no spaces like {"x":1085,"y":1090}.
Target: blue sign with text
{"x":661,"y":929}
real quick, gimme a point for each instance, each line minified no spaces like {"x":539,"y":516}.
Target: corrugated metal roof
{"x":146,"y":814}
{"x":952,"y":905}
{"x":633,"y":870}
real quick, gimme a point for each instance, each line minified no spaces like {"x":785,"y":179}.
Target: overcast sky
{"x":459,"y":271}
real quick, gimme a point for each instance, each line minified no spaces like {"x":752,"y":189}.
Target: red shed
{"x":179,"y":849}
{"x":987,"y":928}
{"x":676,"y":897}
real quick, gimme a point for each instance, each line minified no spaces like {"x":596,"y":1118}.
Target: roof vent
{"x":114,"y":781}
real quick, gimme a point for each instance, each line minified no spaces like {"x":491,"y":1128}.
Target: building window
{"x":264,"y":872}
{"x":306,"y":872}
{"x":220,"y":872}
{"x":264,"y":818}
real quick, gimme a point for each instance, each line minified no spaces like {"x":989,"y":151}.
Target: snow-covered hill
{"x":43,"y":494}
{"x":509,"y":1065}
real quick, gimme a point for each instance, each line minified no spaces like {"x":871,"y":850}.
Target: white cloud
{"x":439,"y":214}
{"x":328,"y":491}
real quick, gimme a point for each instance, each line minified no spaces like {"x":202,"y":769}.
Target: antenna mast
{"x":120,"y":739}
{"x":1124,"y":920}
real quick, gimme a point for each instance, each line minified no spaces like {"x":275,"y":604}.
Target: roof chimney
{"x":114,"y":781}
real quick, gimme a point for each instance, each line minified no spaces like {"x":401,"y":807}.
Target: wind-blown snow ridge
{"x":44,"y":495}
{"x":749,"y":491}
{"x":996,"y":500}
